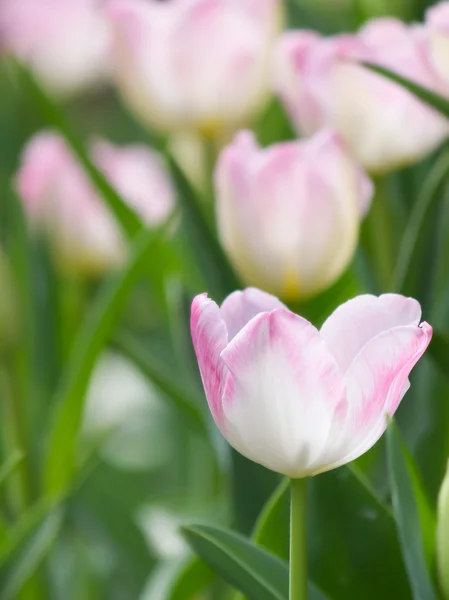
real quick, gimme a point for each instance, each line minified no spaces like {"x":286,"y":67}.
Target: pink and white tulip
{"x":59,"y":198}
{"x":65,"y":42}
{"x":289,"y":215}
{"x":194,"y":64}
{"x":384,"y":125}
{"x":297,"y":400}
{"x":437,"y":27}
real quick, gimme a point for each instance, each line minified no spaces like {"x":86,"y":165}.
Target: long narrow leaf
{"x":157,"y":374}
{"x":253,"y":571}
{"x":217,"y":270}
{"x":416,"y":234}
{"x":10,"y":465}
{"x":436,"y":101}
{"x":439,"y":351}
{"x":95,"y":332}
{"x":32,"y":552}
{"x":408,"y":521}
{"x":55,"y":118}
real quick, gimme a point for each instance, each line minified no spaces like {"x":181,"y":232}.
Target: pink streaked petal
{"x":242,"y":306}
{"x":209,"y":338}
{"x":377,"y":382}
{"x":282,"y":392}
{"x":359,"y":320}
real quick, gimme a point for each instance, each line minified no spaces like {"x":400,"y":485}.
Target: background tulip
{"x":297,"y":400}
{"x":384,"y":125}
{"x":65,"y":42}
{"x":199,"y":64}
{"x":437,"y":25}
{"x":289,"y":215}
{"x":59,"y":198}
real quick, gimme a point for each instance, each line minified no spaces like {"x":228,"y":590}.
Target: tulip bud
{"x":443,"y":536}
{"x":297,"y":400}
{"x":384,"y":125}
{"x":60,"y":200}
{"x":194,"y":64}
{"x":437,"y":25}
{"x":289,"y":215}
{"x":65,"y":42}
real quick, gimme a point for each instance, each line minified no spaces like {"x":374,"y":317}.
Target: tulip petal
{"x":242,"y":306}
{"x":357,"y":321}
{"x":376,"y":383}
{"x":209,"y":338}
{"x":282,"y":394}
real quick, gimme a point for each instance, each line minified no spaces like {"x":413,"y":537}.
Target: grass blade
{"x":158,"y":375}
{"x":436,"y":101}
{"x":408,"y":519}
{"x":94,"y":333}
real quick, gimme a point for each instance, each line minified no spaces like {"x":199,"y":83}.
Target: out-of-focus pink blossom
{"x":194,"y":64}
{"x":384,"y":125}
{"x":437,"y":27}
{"x":65,"y":42}
{"x":289,"y":215}
{"x":59,"y":198}
{"x":297,"y":400}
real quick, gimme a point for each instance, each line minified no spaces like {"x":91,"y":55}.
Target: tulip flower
{"x":201,"y":65}
{"x":297,"y":400}
{"x":384,"y":125}
{"x":437,"y":27}
{"x":59,"y":198}
{"x":65,"y":42}
{"x":289,"y":215}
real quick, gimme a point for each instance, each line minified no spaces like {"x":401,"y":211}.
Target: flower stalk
{"x":298,"y":540}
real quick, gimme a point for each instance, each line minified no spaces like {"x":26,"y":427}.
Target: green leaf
{"x":92,"y":337}
{"x":253,"y":571}
{"x":10,"y":465}
{"x":437,"y":102}
{"x":210,"y":256}
{"x":274,"y":125}
{"x":55,"y":118}
{"x":195,"y":577}
{"x":439,"y":351}
{"x":29,"y":555}
{"x":408,"y":521}
{"x":152,"y":368}
{"x":270,"y":530}
{"x":416,"y":235}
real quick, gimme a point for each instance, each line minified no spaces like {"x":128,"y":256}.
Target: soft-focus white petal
{"x":282,"y":393}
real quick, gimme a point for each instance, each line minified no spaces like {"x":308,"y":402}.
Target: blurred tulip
{"x":297,"y":400}
{"x":289,"y":215}
{"x":194,"y":64}
{"x":65,"y":42}
{"x":384,"y":125}
{"x":437,"y":25}
{"x":59,"y":198}
{"x":443,"y":536}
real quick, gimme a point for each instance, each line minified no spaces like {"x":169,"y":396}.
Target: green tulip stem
{"x":298,"y":540}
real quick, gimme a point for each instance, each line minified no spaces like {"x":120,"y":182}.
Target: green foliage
{"x":413,"y":517}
